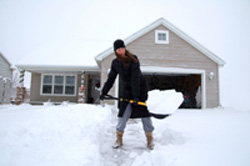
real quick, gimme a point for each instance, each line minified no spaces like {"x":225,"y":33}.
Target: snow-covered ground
{"x":81,"y":134}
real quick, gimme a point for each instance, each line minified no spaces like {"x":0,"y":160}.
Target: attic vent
{"x":161,"y":37}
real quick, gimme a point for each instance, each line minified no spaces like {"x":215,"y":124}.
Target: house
{"x":5,"y":79}
{"x":62,"y":83}
{"x":169,"y":59}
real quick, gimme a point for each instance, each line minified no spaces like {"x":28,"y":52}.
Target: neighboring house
{"x":5,"y":79}
{"x":62,"y":83}
{"x":169,"y":60}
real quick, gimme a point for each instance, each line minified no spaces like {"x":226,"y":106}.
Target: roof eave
{"x":5,"y":59}
{"x":129,"y":39}
{"x":57,"y":68}
{"x":171,"y":27}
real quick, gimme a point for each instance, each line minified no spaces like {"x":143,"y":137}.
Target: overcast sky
{"x":46,"y":31}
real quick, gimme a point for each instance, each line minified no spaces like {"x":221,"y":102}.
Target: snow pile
{"x":82,"y":135}
{"x":164,"y":102}
{"x":51,"y":135}
{"x":200,"y":137}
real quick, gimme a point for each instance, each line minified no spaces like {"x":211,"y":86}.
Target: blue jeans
{"x":147,"y":123}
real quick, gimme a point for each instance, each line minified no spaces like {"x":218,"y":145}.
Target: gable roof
{"x":172,"y":28}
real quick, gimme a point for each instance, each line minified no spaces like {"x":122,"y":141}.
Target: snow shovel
{"x":157,"y":116}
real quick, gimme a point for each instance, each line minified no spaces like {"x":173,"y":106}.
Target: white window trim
{"x":165,"y":70}
{"x":53,"y":84}
{"x":161,"y":41}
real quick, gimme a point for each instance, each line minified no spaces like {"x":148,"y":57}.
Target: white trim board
{"x":172,"y":28}
{"x":150,"y":69}
{"x":166,"y":70}
{"x":53,"y":84}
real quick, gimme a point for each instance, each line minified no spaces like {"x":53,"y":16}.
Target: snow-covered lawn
{"x":81,"y":134}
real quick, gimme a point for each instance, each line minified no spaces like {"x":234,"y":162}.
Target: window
{"x":161,"y":37}
{"x":70,"y":85}
{"x":47,"y":84}
{"x":58,"y":85}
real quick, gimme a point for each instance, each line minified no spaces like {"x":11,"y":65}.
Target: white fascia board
{"x":191,"y":41}
{"x":167,"y":70}
{"x":102,"y":55}
{"x":178,"y":32}
{"x":172,"y":28}
{"x":143,"y":31}
{"x":202,"y":49}
{"x":1,"y":54}
{"x":56,"y":68}
{"x":164,"y":70}
{"x":129,"y":39}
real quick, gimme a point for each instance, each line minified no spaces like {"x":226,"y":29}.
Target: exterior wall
{"x":37,"y":98}
{"x":5,"y":90}
{"x":5,"y":70}
{"x":5,"y":80}
{"x":105,"y":66}
{"x":177,"y":54}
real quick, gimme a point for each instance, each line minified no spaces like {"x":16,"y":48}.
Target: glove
{"x":102,"y":96}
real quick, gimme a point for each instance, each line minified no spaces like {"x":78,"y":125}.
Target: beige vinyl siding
{"x":177,"y":54}
{"x":105,"y":66}
{"x":5,"y":80}
{"x":5,"y":69}
{"x":36,"y":97}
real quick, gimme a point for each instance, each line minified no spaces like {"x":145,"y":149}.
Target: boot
{"x":149,"y":137}
{"x":118,"y":142}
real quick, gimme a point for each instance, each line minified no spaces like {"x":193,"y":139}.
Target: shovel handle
{"x":109,"y":97}
{"x":138,"y":103}
{"x":157,"y":116}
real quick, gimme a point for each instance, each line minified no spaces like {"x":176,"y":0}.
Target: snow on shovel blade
{"x":164,"y":102}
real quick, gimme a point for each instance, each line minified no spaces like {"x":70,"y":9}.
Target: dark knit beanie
{"x":118,"y":44}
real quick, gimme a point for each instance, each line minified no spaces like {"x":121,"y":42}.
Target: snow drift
{"x":82,"y":135}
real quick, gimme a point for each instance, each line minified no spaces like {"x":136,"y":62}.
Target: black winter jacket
{"x":133,"y":85}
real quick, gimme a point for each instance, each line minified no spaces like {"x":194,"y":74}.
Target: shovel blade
{"x":159,"y":116}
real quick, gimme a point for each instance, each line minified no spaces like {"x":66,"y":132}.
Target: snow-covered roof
{"x":56,"y":52}
{"x":171,"y":27}
{"x":57,"y":68}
